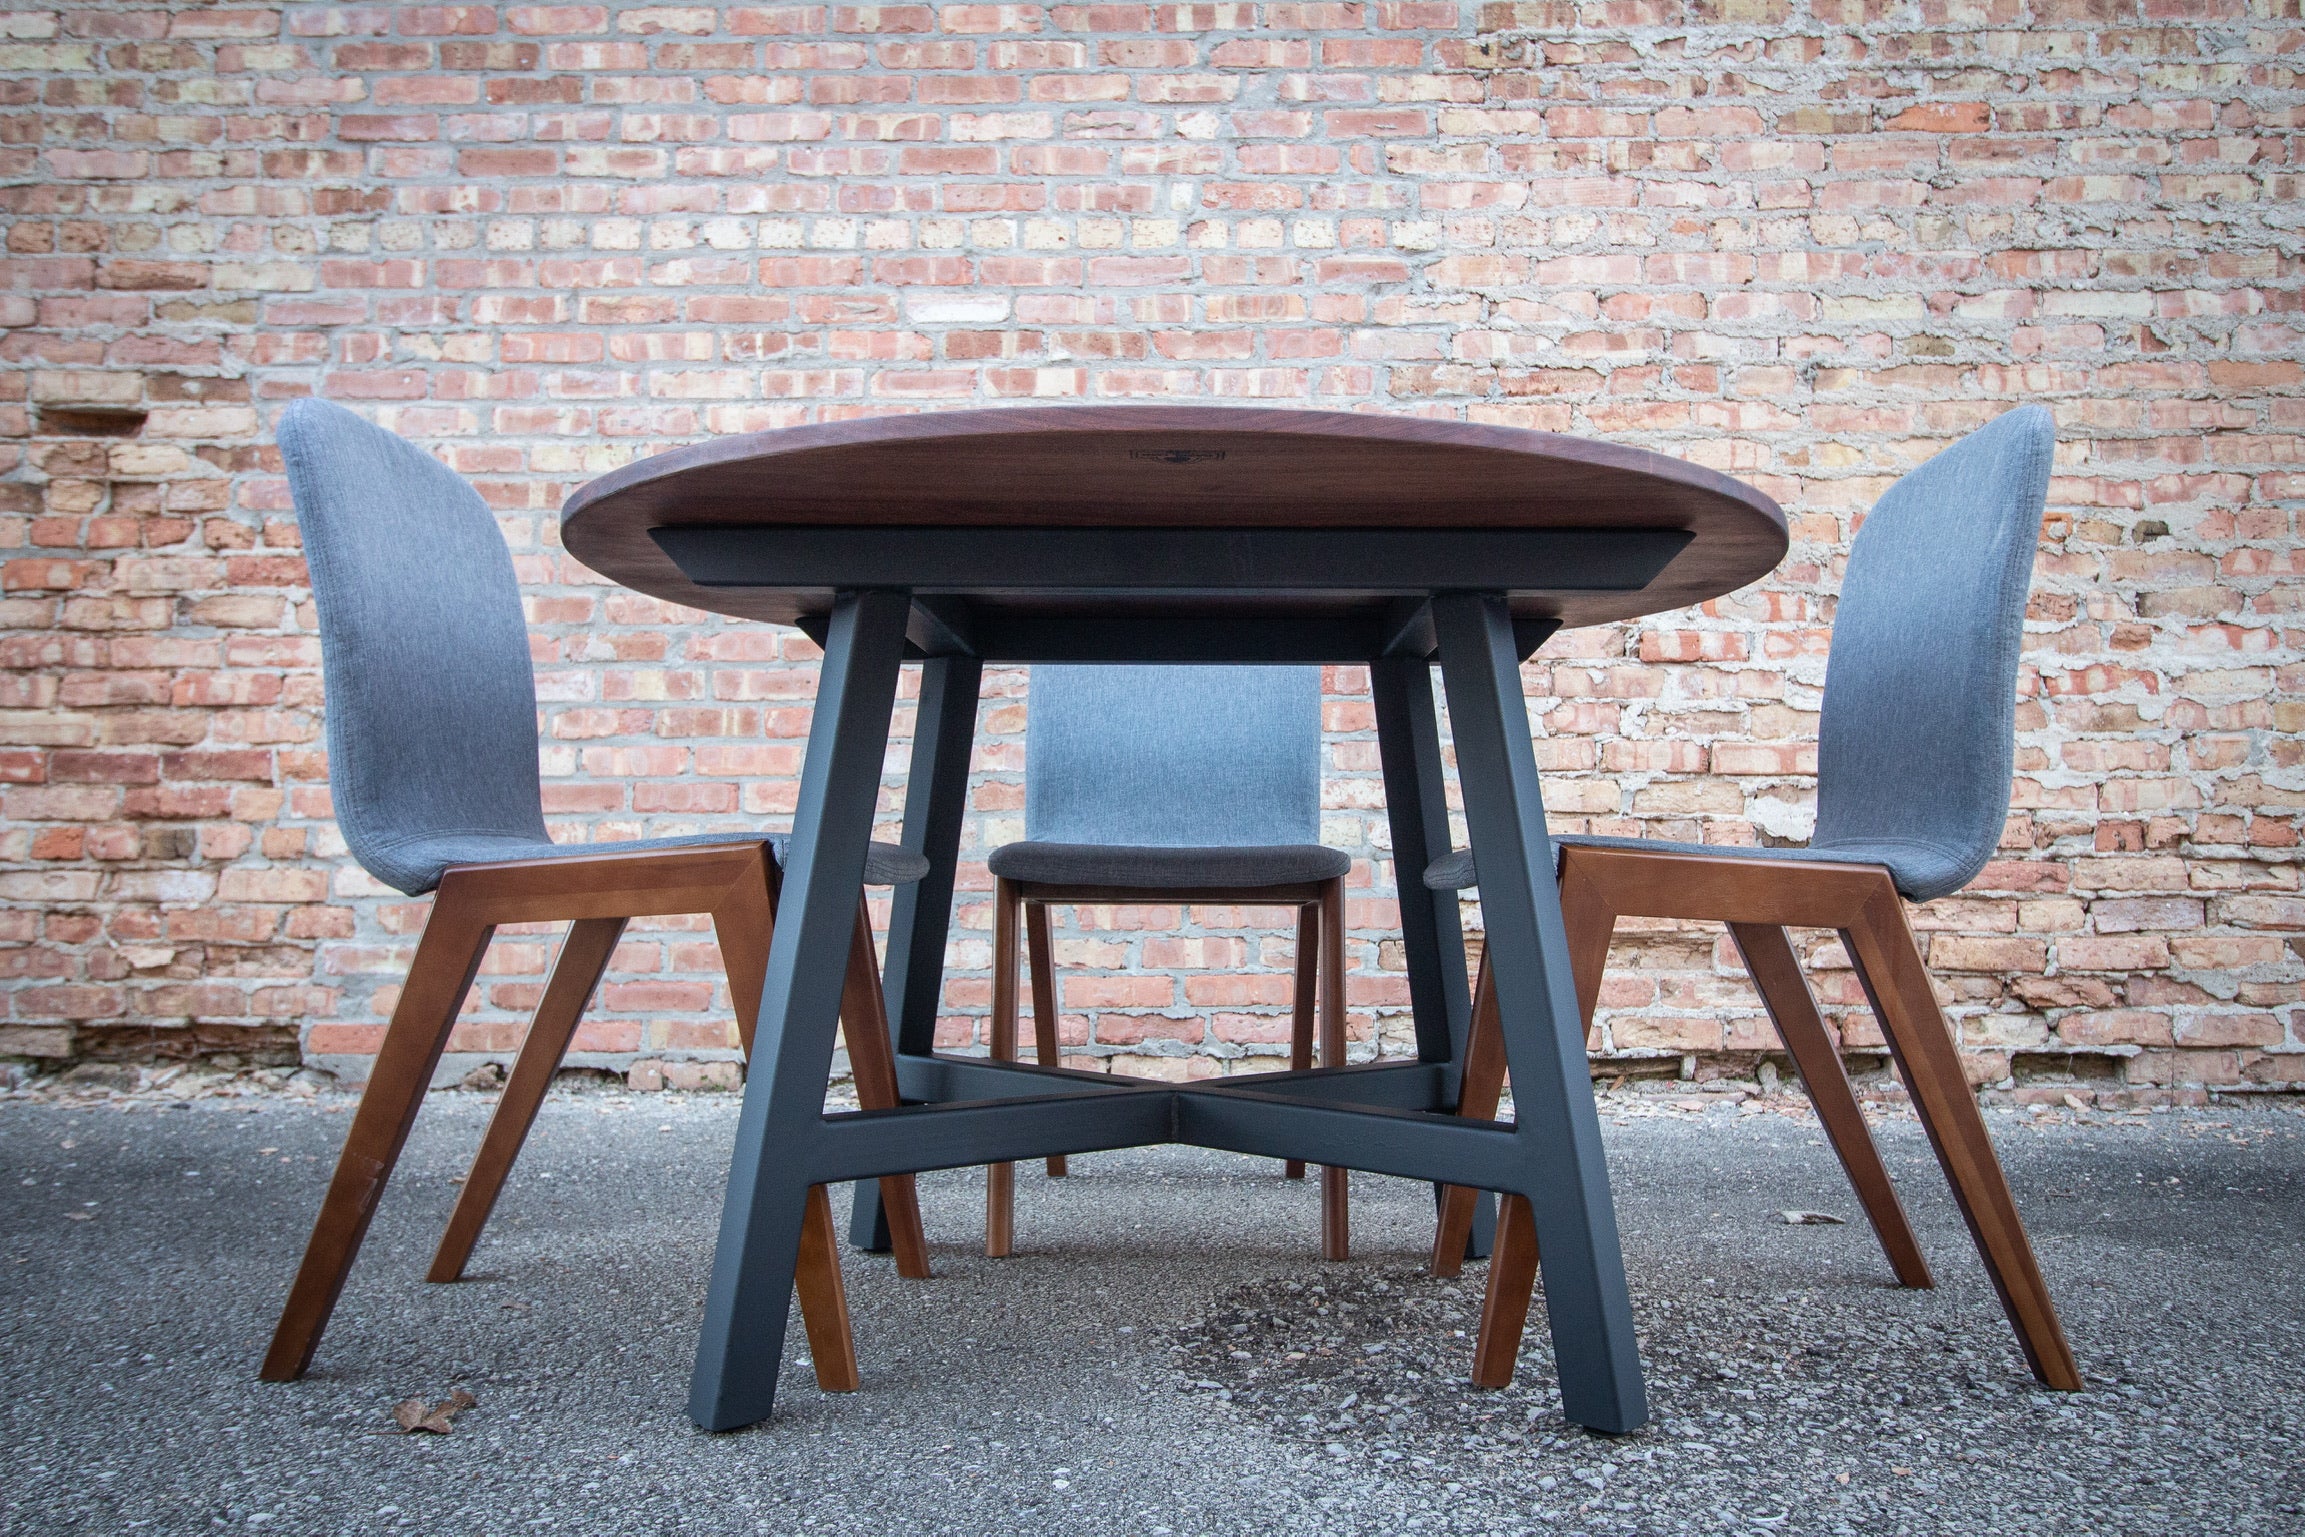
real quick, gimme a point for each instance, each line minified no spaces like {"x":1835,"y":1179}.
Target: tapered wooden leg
{"x":1336,"y":1196}
{"x":1041,"y":957}
{"x":872,"y":1063}
{"x":575,"y":973}
{"x":1588,"y":920}
{"x":1483,"y":1086}
{"x":1000,"y":1178}
{"x":1776,"y":973}
{"x":823,"y":1301}
{"x":744,"y":921}
{"x":447,"y":957}
{"x":1302,"y":1022}
{"x":1505,"y":1305}
{"x":1889,"y":964}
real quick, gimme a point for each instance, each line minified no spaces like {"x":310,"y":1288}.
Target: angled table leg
{"x":742,"y":1339}
{"x":1557,"y":1125}
{"x":1432,"y":938}
{"x":935,"y":805}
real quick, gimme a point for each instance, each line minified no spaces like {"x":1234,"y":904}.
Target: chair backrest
{"x":431,"y":701}
{"x":1173,"y":757}
{"x":1919,"y":728}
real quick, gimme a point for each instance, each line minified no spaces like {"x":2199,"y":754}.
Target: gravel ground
{"x":1166,"y":1355}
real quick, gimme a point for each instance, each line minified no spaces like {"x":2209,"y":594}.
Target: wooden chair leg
{"x":1888,"y":963}
{"x":447,"y":957}
{"x":823,"y":1301}
{"x":575,"y":973}
{"x":872,"y":1062}
{"x":1505,"y":1305}
{"x":1513,"y":1259}
{"x":1336,"y":1196}
{"x":1000,"y":1178}
{"x":1776,"y":973}
{"x":1040,"y":955}
{"x":1302,"y":1017}
{"x":745,"y":920}
{"x":1482,"y":1086}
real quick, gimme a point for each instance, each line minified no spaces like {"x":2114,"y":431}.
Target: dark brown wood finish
{"x":872,"y":1067}
{"x":1000,"y":1178}
{"x":1759,"y":899}
{"x":734,"y":883}
{"x":1302,"y":1004}
{"x":1319,"y":976}
{"x":1776,"y":974}
{"x":1505,"y":1303}
{"x":1172,"y":466}
{"x":575,"y":973}
{"x":1482,"y":1086}
{"x":823,"y":1302}
{"x":1041,"y":964}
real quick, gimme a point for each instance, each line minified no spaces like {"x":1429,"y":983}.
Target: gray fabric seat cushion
{"x":417,"y":866}
{"x":1915,"y":868}
{"x":1168,"y":869}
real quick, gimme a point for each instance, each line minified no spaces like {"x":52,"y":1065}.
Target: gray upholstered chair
{"x":1179,"y":784}
{"x":1915,"y":750}
{"x":432,"y":758}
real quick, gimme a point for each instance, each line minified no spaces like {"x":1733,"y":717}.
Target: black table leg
{"x":742,"y":1340}
{"x":935,"y":803}
{"x":1416,"y":805}
{"x":1432,"y":941}
{"x":1558,"y":1128}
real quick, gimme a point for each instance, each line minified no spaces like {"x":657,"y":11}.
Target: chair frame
{"x":1320,"y":972}
{"x":1759,"y":899}
{"x":736,"y":884}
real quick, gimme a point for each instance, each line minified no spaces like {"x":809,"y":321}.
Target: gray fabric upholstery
{"x":424,"y":657}
{"x":885,"y":864}
{"x":1166,"y":777}
{"x":424,"y":650}
{"x":1118,"y":864}
{"x":1918,"y":735}
{"x":1919,"y":729}
{"x":1454,"y":872}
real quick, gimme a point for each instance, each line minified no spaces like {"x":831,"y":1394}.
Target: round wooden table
{"x":1173,"y":533}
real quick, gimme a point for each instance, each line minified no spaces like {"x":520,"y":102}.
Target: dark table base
{"x":1388,"y":1118}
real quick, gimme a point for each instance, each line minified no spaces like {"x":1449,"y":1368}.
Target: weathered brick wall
{"x":1804,"y":241}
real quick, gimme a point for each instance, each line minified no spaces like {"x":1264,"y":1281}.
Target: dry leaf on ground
{"x":1812,"y":1218}
{"x":413,"y":1417}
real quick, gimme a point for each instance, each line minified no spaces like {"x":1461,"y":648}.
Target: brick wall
{"x":1805,"y":243}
